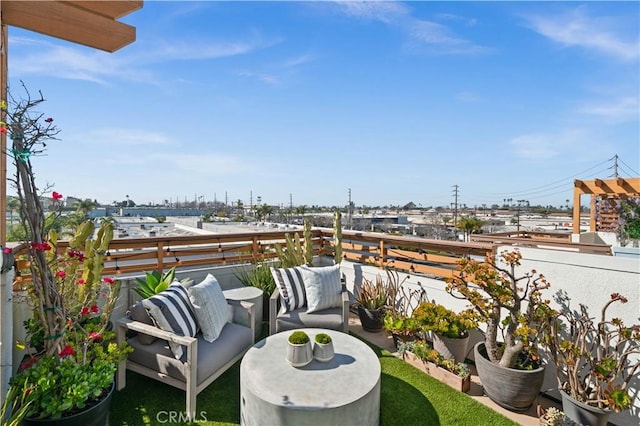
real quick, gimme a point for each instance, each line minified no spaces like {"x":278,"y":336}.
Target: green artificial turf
{"x":408,"y":397}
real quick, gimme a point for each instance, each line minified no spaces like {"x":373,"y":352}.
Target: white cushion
{"x":322,"y":286}
{"x":210,"y":306}
{"x":171,"y":311}
{"x":289,"y":282}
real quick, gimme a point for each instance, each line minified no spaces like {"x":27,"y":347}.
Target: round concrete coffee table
{"x":343,"y":391}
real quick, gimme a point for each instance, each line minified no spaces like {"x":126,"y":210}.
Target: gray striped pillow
{"x":171,"y":311}
{"x":323,"y":287}
{"x":291,"y":286}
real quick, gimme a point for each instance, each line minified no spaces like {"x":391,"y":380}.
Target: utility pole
{"x":251,"y":200}
{"x":455,"y":204}
{"x":290,"y":207}
{"x":615,"y":166}
{"x":350,"y":211}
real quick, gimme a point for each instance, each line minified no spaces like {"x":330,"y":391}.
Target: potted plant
{"x":511,"y":371}
{"x":422,"y":356}
{"x":299,"y":351}
{"x":154,"y":282}
{"x":450,"y":329}
{"x":402,"y":328}
{"x":323,"y":347}
{"x":371,"y":298}
{"x":595,"y":360}
{"x":70,"y":371}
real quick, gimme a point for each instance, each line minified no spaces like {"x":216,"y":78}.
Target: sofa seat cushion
{"x":328,"y":318}
{"x":233,"y":340}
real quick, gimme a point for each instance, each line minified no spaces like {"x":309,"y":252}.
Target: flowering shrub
{"x":73,"y":357}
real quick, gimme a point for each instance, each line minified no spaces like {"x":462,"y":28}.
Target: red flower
{"x":68,"y":350}
{"x":28,"y":363}
{"x":49,"y":120}
{"x":95,"y":336}
{"x":109,"y":280}
{"x":27,"y":391}
{"x":94,"y":309}
{"x":82,"y":281}
{"x":84,"y":311}
{"x":3,"y":130}
{"x":56,"y":196}
{"x":61,"y":274}
{"x":7,"y":250}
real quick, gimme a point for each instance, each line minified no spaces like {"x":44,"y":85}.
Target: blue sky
{"x":397,"y":101}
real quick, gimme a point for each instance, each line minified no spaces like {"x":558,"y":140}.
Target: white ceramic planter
{"x":323,"y":352}
{"x":299,"y":355}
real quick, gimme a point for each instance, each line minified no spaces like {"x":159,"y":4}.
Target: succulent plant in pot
{"x":511,"y":303}
{"x":450,"y":329}
{"x":595,"y":358}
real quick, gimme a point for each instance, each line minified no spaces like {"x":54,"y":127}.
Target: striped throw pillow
{"x":323,"y":287}
{"x":171,"y":311}
{"x":289,"y":282}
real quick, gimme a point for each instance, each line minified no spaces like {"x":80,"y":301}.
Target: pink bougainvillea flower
{"x":95,"y":336}
{"x":61,"y":274}
{"x":84,"y":311}
{"x":82,"y":281}
{"x":94,"y":309}
{"x":56,"y":196}
{"x":67,"y":350}
{"x":49,"y":120}
{"x":109,"y":280}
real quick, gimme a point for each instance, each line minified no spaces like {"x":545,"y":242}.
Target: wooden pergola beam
{"x":90,"y":23}
{"x":615,"y":187}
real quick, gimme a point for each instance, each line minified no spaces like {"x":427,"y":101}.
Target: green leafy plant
{"x":439,"y":319}
{"x":260,"y":277}
{"x":154,"y":282}
{"x":493,"y":290}
{"x":323,"y":338}
{"x":426,"y":353}
{"x":298,"y":338}
{"x":406,"y":327}
{"x":595,"y":359}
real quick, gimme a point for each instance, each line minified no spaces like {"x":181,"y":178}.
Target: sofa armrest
{"x":274,"y":302}
{"x":345,"y":309}
{"x":124,"y":324}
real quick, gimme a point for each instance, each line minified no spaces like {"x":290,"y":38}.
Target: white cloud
{"x":426,"y":36}
{"x":576,"y":29}
{"x":384,"y":11}
{"x":621,"y":109}
{"x":544,"y":146}
{"x":120,"y":136}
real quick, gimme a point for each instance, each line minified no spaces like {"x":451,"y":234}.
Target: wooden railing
{"x":548,"y":240}
{"x":416,"y":255}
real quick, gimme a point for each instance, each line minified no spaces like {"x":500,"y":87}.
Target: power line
{"x":634,"y":173}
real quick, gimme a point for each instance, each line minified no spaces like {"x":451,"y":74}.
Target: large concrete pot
{"x":515,"y":390}
{"x":96,"y":415}
{"x":583,"y":413}
{"x":451,"y":348}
